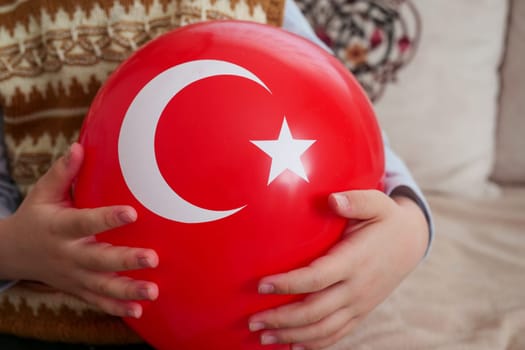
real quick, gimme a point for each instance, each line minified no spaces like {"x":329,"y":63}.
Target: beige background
{"x":441,"y":114}
{"x":510,"y":141}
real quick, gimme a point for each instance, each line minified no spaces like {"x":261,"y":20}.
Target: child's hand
{"x":386,"y":240}
{"x":50,"y":241}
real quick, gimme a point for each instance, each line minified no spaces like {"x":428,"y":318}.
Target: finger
{"x":360,"y":204}
{"x":113,"y":307}
{"x":332,"y":339}
{"x":120,"y":287}
{"x":312,"y":309}
{"x":107,"y":258}
{"x":325,"y":328}
{"x":55,"y":184}
{"x":337,"y":265}
{"x":317,"y":276}
{"x":76,"y":223}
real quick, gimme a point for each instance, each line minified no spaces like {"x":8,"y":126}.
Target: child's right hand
{"x":50,"y":241}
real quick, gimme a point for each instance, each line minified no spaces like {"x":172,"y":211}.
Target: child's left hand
{"x":386,"y":240}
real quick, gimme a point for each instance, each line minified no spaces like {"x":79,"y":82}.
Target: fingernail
{"x":266,"y":288}
{"x":126,"y":217}
{"x":144,"y":293}
{"x":267,"y":339}
{"x":148,"y":291}
{"x":341,"y":200}
{"x":144,"y":262}
{"x":256,"y":326}
{"x":134,"y":312}
{"x":298,"y":347}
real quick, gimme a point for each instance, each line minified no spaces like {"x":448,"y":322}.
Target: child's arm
{"x":386,"y":242}
{"x":390,"y":234}
{"x":398,"y":181}
{"x":49,"y":240}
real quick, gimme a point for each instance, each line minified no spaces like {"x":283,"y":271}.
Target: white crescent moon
{"x":136,"y":144}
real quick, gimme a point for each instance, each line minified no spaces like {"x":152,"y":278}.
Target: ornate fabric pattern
{"x":374,"y":39}
{"x":54,"y":55}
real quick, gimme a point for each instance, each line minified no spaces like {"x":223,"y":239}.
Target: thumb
{"x":360,"y":204}
{"x":55,"y":184}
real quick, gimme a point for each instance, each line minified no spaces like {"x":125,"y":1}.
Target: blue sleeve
{"x":398,"y":179}
{"x":295,"y":22}
{"x":9,"y":194}
{"x":6,"y":284}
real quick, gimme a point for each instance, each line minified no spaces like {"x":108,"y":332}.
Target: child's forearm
{"x":419,"y":228}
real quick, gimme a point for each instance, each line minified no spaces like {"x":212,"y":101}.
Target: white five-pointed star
{"x":285,"y":153}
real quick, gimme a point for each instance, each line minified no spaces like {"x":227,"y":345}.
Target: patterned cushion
{"x":374,"y":39}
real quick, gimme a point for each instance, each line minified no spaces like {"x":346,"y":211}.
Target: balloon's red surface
{"x":227,"y":137}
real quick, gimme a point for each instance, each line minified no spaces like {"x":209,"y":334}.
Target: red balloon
{"x":227,"y":137}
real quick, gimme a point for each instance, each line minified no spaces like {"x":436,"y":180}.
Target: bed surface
{"x":469,"y":293}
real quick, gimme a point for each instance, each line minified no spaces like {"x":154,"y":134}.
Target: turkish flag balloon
{"x":227,"y":137}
